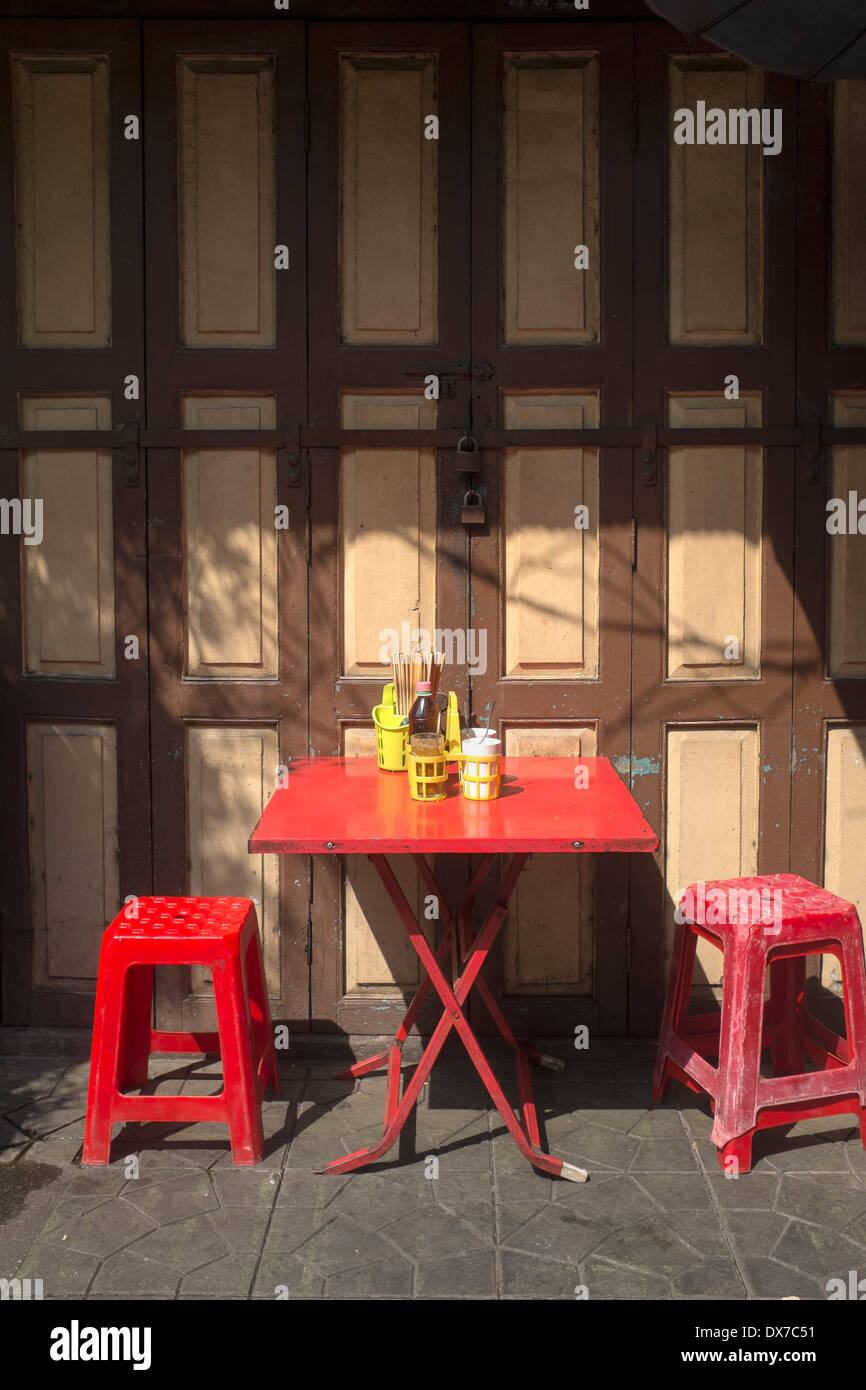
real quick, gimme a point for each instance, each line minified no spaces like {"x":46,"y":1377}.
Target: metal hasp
{"x":131,"y":453}
{"x":812,"y":450}
{"x":289,"y":454}
{"x":648,"y":446}
{"x":345,"y":805}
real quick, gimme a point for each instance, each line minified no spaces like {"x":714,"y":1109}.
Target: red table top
{"x":347,"y":806}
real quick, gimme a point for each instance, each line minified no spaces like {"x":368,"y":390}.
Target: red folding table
{"x":547,"y":806}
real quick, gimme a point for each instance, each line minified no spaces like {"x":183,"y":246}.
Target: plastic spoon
{"x":489,"y":717}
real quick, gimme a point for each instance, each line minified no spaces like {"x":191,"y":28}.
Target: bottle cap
{"x":423,"y":687}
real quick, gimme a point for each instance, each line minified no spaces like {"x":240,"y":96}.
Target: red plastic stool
{"x":221,"y":933}
{"x":775,"y":920}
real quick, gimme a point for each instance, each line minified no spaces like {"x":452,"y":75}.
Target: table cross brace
{"x":468,"y":950}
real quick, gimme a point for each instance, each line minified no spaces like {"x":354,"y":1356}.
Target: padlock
{"x":473,"y":513}
{"x":466,"y":457}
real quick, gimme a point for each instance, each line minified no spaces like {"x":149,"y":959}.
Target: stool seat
{"x":220,"y":934}
{"x":179,"y":917}
{"x":770,"y":921}
{"x":758,"y":901}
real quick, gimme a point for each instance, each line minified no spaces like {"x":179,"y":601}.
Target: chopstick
{"x":408,"y":668}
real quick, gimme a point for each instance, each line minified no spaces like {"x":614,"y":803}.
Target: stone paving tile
{"x":106,"y":1228}
{"x":183,"y":1245}
{"x":229,"y":1277}
{"x":534,"y":1276}
{"x":473,"y":1275}
{"x":816,"y":1250}
{"x":377,"y":1202}
{"x":745,"y":1193}
{"x":290,"y":1227}
{"x":245,"y":1187}
{"x":389,"y":1278}
{"x":128,"y":1273}
{"x":650,"y":1245}
{"x":63,"y":1271}
{"x":710,"y":1279}
{"x":172,"y":1198}
{"x":42,"y":1117}
{"x":434,"y":1232}
{"x":605,"y":1280}
{"x":344,"y":1244}
{"x":838,"y":1198}
{"x":283,"y":1271}
{"x":558,"y":1233}
{"x":241,"y":1229}
{"x":767,"y":1278}
{"x":480,"y":1216}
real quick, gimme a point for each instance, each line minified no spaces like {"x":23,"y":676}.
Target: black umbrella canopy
{"x":819,"y":39}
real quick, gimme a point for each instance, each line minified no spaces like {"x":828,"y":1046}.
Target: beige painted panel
{"x":847,"y":554}
{"x":716,"y":212}
{"x":849,"y":212}
{"x":231,"y":771}
{"x":549,"y":930}
{"x":714,"y":545}
{"x":227,"y":208}
{"x":230,"y":544}
{"x":72,"y":820}
{"x":62,"y":218}
{"x":711,"y":830}
{"x":67,"y":580}
{"x":551,"y":198}
{"x":388,"y":215}
{"x":379,"y":955}
{"x":845,"y":826}
{"x":551,"y":567}
{"x":387,"y":530}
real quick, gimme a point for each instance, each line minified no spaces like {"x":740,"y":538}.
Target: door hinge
{"x":306,"y":125}
{"x":308,"y":948}
{"x":633,"y":541}
{"x":628,"y":948}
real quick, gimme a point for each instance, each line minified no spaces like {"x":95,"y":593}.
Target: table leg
{"x":477,"y":947}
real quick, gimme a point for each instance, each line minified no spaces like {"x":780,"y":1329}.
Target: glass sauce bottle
{"x":424,"y":715}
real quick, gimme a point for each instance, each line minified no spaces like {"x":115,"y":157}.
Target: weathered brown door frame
{"x":660,"y":367}
{"x":340,"y":702}
{"x":821,"y":701}
{"x":180,"y":702}
{"x":120,"y":701}
{"x":602,"y":702}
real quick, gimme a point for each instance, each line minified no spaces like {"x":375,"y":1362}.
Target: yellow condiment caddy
{"x":391,"y":733}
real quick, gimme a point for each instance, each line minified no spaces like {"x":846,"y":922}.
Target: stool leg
{"x":104,"y":1060}
{"x":241,"y":1098}
{"x":788,"y":1014}
{"x":854,"y":1000}
{"x":740,"y":1040}
{"x":736,"y":1155}
{"x":137,"y":1018}
{"x":676,"y":1001}
{"x":260,"y":1013}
